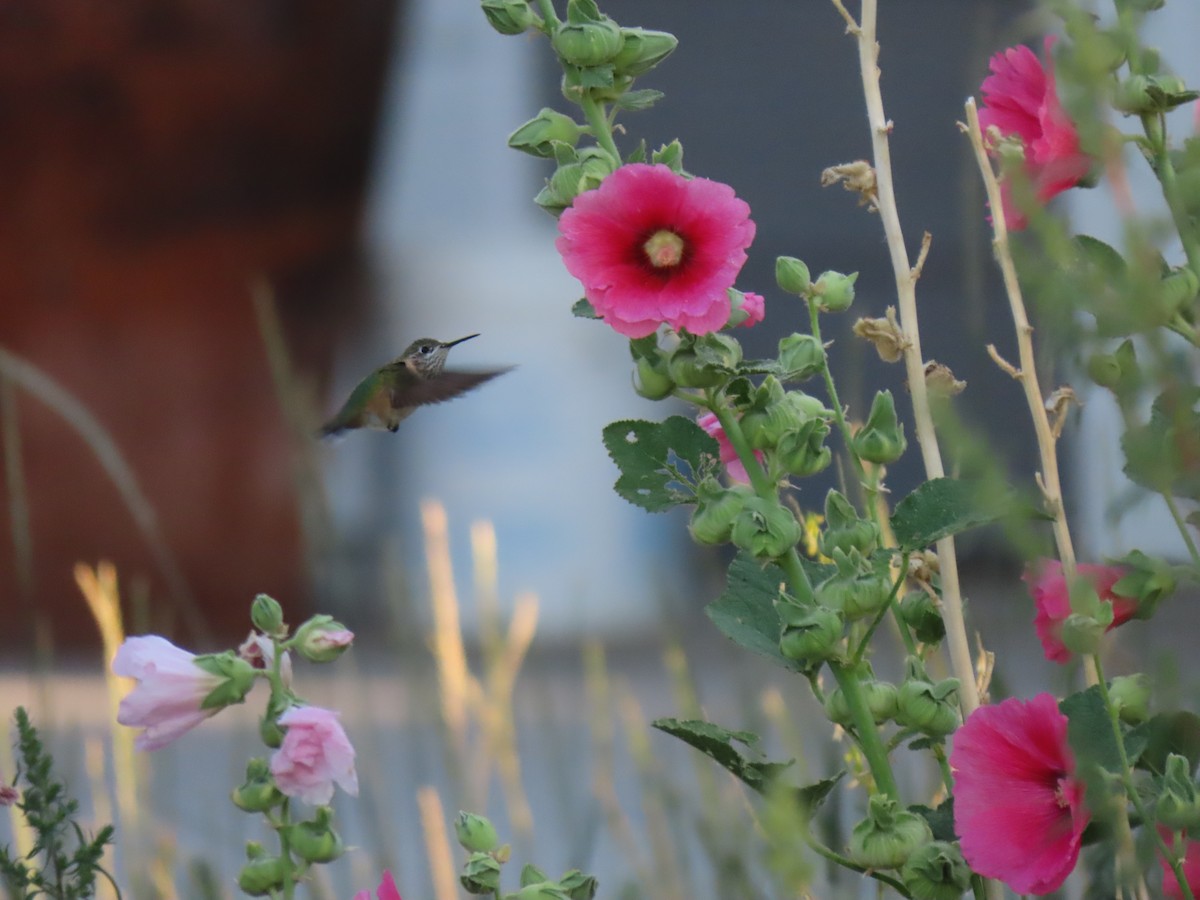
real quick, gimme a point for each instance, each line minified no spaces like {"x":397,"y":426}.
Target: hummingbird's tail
{"x":330,"y":429}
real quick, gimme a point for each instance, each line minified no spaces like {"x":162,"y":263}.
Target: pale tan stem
{"x":1027,"y":375}
{"x":914,"y":364}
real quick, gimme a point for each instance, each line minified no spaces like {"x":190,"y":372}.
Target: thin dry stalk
{"x":1026,"y":374}
{"x":906,"y":277}
{"x":437,"y":845}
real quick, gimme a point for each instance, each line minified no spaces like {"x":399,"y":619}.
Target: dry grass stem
{"x":437,"y":845}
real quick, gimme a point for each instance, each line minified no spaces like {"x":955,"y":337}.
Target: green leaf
{"x":1100,"y":256}
{"x":946,"y":506}
{"x":1089,"y":729}
{"x":1173,"y":732}
{"x":595,"y":77}
{"x":638,"y":100}
{"x":941,"y":820}
{"x":660,"y":463}
{"x":812,"y":796}
{"x":583,"y":309}
{"x":745,"y":612}
{"x":1164,"y":454}
{"x":717,"y":743}
{"x":638,"y":154}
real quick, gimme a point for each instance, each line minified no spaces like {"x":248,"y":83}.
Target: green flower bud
{"x":546,"y":890}
{"x":792,"y":275}
{"x":1178,"y":806}
{"x":882,"y":700}
{"x":936,"y":871}
{"x":923,"y":616}
{"x":571,"y":179}
{"x":1133,"y":95}
{"x":834,"y":292}
{"x":810,"y":635}
{"x":650,"y":379}
{"x":239,"y":677}
{"x":475,"y":833}
{"x":881,"y":440}
{"x":717,"y":508}
{"x":837,"y":710}
{"x":578,"y":886}
{"x":856,"y":596}
{"x":316,"y":841}
{"x":538,"y":136}
{"x":1083,"y":633}
{"x":1104,"y":369}
{"x":888,"y":836}
{"x":480,"y":874}
{"x":686,"y":370}
{"x":258,"y":792}
{"x":765,"y":529}
{"x":844,"y":529}
{"x":803,"y":452}
{"x":587,"y":38}
{"x":801,"y":356}
{"x":263,"y":874}
{"x":642,"y":51}
{"x":1178,"y":290}
{"x":531,"y":874}
{"x":322,"y":639}
{"x":508,"y":16}
{"x":1148,"y":580}
{"x":931,"y":709}
{"x":267,"y":616}
{"x":1131,"y":696}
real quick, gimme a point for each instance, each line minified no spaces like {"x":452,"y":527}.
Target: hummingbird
{"x":392,"y":392}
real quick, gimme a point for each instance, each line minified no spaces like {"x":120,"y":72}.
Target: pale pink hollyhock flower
{"x":1020,"y":99}
{"x":1191,"y":868}
{"x":315,"y":754}
{"x":1018,"y":808}
{"x":386,"y":890}
{"x":754,"y":306}
{"x":171,"y":688}
{"x":733,"y":465}
{"x":258,"y":650}
{"x":1053,"y":601}
{"x":650,"y":246}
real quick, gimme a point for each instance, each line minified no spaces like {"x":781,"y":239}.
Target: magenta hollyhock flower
{"x":651,"y":246}
{"x":733,"y":465}
{"x":386,"y":891}
{"x":315,"y":754}
{"x":1053,"y":601}
{"x":9,"y":795}
{"x":1018,"y":808}
{"x":171,"y":688}
{"x":1191,"y":868}
{"x":1020,"y":99}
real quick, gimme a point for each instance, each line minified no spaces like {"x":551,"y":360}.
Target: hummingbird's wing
{"x":446,"y":385}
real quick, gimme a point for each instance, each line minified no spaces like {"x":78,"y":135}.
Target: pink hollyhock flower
{"x":258,"y":650}
{"x":733,"y":465}
{"x":9,"y":795}
{"x":386,"y":890}
{"x":315,"y":754}
{"x":1053,"y":601}
{"x":171,"y":688}
{"x":651,"y":246}
{"x":1191,"y":869}
{"x":1018,"y":808}
{"x":1021,"y":101}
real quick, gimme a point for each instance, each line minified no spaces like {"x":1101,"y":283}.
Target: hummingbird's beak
{"x":460,"y":340}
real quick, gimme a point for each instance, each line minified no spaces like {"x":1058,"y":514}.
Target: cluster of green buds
{"x":480,"y":874}
{"x":926,"y":706}
{"x":831,"y":292}
{"x":600,"y":61}
{"x":789,"y":426}
{"x":1178,"y":804}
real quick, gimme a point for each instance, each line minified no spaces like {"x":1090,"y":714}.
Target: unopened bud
{"x":882,"y":698}
{"x":315,"y":841}
{"x":480,"y":874}
{"x":856,"y":597}
{"x":587,"y":38}
{"x":267,"y":616}
{"x":263,"y":874}
{"x":531,"y":874}
{"x":1178,"y":806}
{"x":1134,"y":95}
{"x":802,"y":452}
{"x":810,"y":635}
{"x":1131,"y":696}
{"x":650,"y":379}
{"x":937,"y":871}
{"x":931,"y":709}
{"x":546,"y":890}
{"x":834,"y":292}
{"x":1178,"y":290}
{"x":765,"y":529}
{"x":792,"y":275}
{"x":1082,"y":633}
{"x":538,"y":136}
{"x":258,"y":792}
{"x":801,"y":356}
{"x":322,"y":639}
{"x":881,"y":440}
{"x":508,"y":16}
{"x":642,"y":50}
{"x":578,"y":886}
{"x":922,"y":615}
{"x":844,"y":530}
{"x":475,"y":833}
{"x":888,"y":836}
{"x":237,"y":674}
{"x":1147,"y":580}
{"x":717,"y":508}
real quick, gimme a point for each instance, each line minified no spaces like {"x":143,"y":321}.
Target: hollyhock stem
{"x":601,"y":130}
{"x":1027,"y":374}
{"x":847,"y":863}
{"x":549,"y":16}
{"x":1155,"y":129}
{"x":914,"y":364}
{"x":1183,"y":528}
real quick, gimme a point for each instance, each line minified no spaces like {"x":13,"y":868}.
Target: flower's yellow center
{"x":664,"y":249}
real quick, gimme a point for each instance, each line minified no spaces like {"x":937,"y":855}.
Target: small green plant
{"x":64,"y":861}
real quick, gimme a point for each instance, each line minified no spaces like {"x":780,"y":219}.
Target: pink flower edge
{"x":166,"y":702}
{"x":315,"y":755}
{"x":386,"y":891}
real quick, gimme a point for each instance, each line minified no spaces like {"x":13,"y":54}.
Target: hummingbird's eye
{"x":426,"y":349}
